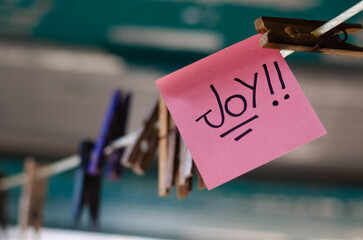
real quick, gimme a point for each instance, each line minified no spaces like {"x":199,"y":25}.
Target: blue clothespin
{"x":113,"y":127}
{"x":118,"y":129}
{"x":87,"y":188}
{"x":93,"y":160}
{"x":98,"y":158}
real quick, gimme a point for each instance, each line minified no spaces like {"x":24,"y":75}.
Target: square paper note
{"x":238,"y":109}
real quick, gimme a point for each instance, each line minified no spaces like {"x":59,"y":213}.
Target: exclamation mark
{"x":287,"y":96}
{"x":268,"y":79}
{"x":275,"y":102}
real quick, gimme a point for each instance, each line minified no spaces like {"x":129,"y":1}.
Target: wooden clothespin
{"x":175,"y":161}
{"x":117,"y":129}
{"x":87,"y":188}
{"x":139,"y":155}
{"x":32,"y":197}
{"x":165,"y":173}
{"x":168,"y":150}
{"x":3,"y":207}
{"x":297,"y":35}
{"x":184,"y":173}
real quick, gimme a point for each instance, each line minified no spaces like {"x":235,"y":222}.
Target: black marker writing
{"x":238,"y":97}
{"x":253,"y":88}
{"x":280,"y":76}
{"x":226,"y":106}
{"x":209,"y":111}
{"x":238,"y":126}
{"x":234,"y":113}
{"x":243,"y":134}
{"x":243,"y":102}
{"x":287,"y":96}
{"x":268,"y":79}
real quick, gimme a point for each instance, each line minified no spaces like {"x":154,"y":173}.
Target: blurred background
{"x":60,"y":60}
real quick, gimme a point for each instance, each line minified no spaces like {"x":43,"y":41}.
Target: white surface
{"x":58,"y":234}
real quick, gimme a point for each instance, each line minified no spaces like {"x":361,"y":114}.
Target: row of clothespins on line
{"x":158,"y":132}
{"x":136,"y":150}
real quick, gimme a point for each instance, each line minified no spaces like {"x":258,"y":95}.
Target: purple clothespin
{"x":97,"y":161}
{"x":113,"y":127}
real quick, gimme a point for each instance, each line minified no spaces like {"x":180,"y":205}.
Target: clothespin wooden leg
{"x":173,"y":151}
{"x":186,"y":188}
{"x":38,"y":203}
{"x":139,"y":155}
{"x":26,"y":192}
{"x":146,"y":157}
{"x":32,"y":198}
{"x":128,"y":159}
{"x":168,"y":150}
{"x":184,"y":176}
{"x":163,"y":147}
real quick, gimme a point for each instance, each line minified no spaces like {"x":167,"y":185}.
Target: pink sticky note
{"x":238,"y":109}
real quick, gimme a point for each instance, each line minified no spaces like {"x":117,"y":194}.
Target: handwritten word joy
{"x":225,"y":108}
